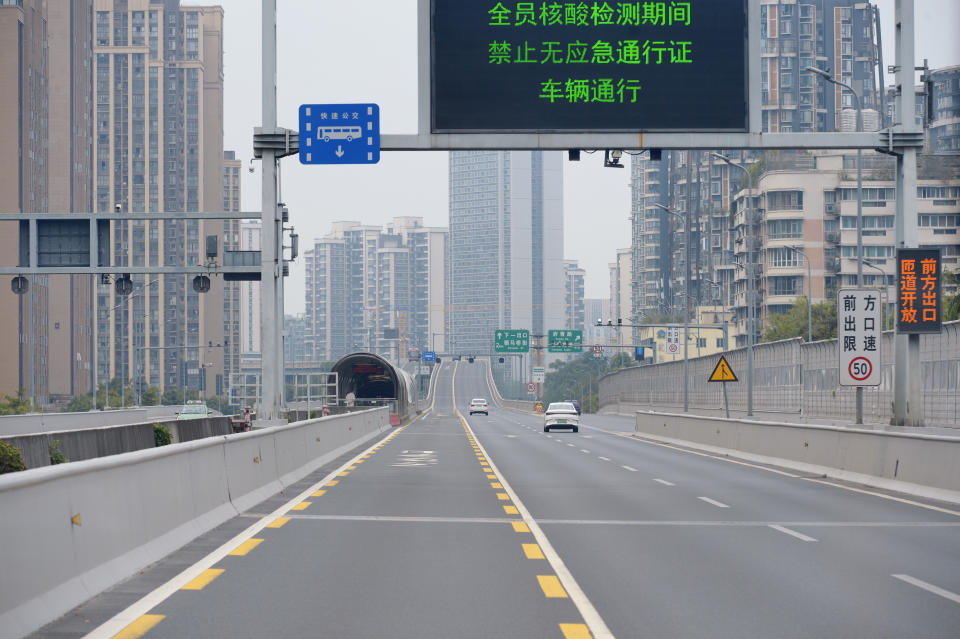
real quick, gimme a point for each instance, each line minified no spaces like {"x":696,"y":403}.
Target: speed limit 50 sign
{"x":858,"y":336}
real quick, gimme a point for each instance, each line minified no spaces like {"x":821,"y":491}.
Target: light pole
{"x":686,"y":302}
{"x":748,"y":269}
{"x":809,"y":293}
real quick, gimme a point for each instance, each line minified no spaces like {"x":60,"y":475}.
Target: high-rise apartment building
{"x":45,"y":143}
{"x":945,"y":127}
{"x":158,"y":71}
{"x":70,"y":181}
{"x":232,"y":307}
{"x":812,"y":214}
{"x":505,"y":259}
{"x":839,"y":35}
{"x":573,"y":285}
{"x":375,"y":289}
{"x":621,"y":287}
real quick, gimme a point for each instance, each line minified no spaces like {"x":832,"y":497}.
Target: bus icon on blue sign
{"x":339,"y":134}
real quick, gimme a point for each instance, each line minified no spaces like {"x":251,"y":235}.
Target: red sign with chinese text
{"x":918,"y":291}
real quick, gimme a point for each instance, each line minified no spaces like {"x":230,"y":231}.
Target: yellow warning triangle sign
{"x":723,"y":372}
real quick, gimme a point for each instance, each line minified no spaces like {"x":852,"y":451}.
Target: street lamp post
{"x":686,"y":302}
{"x":748,"y":269}
{"x":809,"y":293}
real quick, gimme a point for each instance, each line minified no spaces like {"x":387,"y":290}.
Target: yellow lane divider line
{"x":552,"y":588}
{"x":575,"y":631}
{"x":279,"y":522}
{"x":140,"y":627}
{"x":246,"y":547}
{"x":204,"y":579}
{"x":532,"y":551}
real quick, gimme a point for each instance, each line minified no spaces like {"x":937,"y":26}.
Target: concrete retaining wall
{"x":56,"y":422}
{"x":137,"y":507}
{"x":917,"y":463}
{"x":90,"y":443}
{"x":498,"y":398}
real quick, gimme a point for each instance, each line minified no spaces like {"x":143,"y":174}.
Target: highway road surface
{"x":460,"y":527}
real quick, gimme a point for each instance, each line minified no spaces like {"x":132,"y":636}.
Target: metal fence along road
{"x":794,"y":379}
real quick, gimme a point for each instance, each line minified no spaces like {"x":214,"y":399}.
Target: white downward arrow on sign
{"x":339,"y":151}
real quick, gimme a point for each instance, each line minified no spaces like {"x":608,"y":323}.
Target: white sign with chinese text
{"x":858,"y":336}
{"x":673,"y":339}
{"x":539,"y":374}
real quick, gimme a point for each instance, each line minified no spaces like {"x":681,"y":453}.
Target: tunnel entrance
{"x":373,"y":380}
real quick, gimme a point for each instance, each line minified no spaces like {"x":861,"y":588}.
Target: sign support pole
{"x":906,"y":378}
{"x":726,"y":403}
{"x":271,"y":273}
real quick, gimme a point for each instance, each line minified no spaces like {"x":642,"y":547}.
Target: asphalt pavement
{"x":485,"y":526}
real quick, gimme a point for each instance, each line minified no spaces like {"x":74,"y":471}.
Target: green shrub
{"x":56,"y":455}
{"x":10,"y":458}
{"x":161,"y":435}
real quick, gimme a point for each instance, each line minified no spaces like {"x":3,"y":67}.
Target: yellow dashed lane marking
{"x":496,"y":484}
{"x":303,"y":505}
{"x":278,"y":522}
{"x":319,"y":493}
{"x":140,"y":627}
{"x":487,"y":469}
{"x":491,"y":476}
{"x":333,"y":482}
{"x":204,"y":579}
{"x":511,"y":510}
{"x":575,"y":631}
{"x":246,"y":547}
{"x":520,"y":526}
{"x":503,"y":496}
{"x":552,"y":587}
{"x":343,"y":474}
{"x":532,"y":551}
{"x":354,"y":467}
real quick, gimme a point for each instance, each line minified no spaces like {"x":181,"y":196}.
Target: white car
{"x":561,"y":415}
{"x":478,"y":406}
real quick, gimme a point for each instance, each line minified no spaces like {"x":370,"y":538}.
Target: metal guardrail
{"x":793,"y":377}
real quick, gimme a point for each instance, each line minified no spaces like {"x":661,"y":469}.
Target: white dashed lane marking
{"x":664,"y":482}
{"x":630,"y":468}
{"x":713,"y":502}
{"x":792,"y":533}
{"x":604,"y":458}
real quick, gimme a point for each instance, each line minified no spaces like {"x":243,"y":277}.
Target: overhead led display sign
{"x":508,"y":66}
{"x":918,"y":291}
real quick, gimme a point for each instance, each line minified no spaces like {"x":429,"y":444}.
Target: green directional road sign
{"x":511,"y":341}
{"x":565,"y":341}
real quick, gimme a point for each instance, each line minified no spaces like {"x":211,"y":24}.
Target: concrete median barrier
{"x":919,"y":464}
{"x":71,"y":531}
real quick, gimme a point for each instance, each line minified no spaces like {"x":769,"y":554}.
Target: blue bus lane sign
{"x":339,"y":134}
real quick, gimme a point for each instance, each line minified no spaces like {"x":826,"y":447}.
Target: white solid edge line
{"x":664,"y":482}
{"x":158,"y":595}
{"x":792,"y":533}
{"x":714,"y":502}
{"x":913,"y":581}
{"x":590,"y":615}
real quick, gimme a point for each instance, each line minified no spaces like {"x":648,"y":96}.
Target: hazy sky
{"x":366,"y":51}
